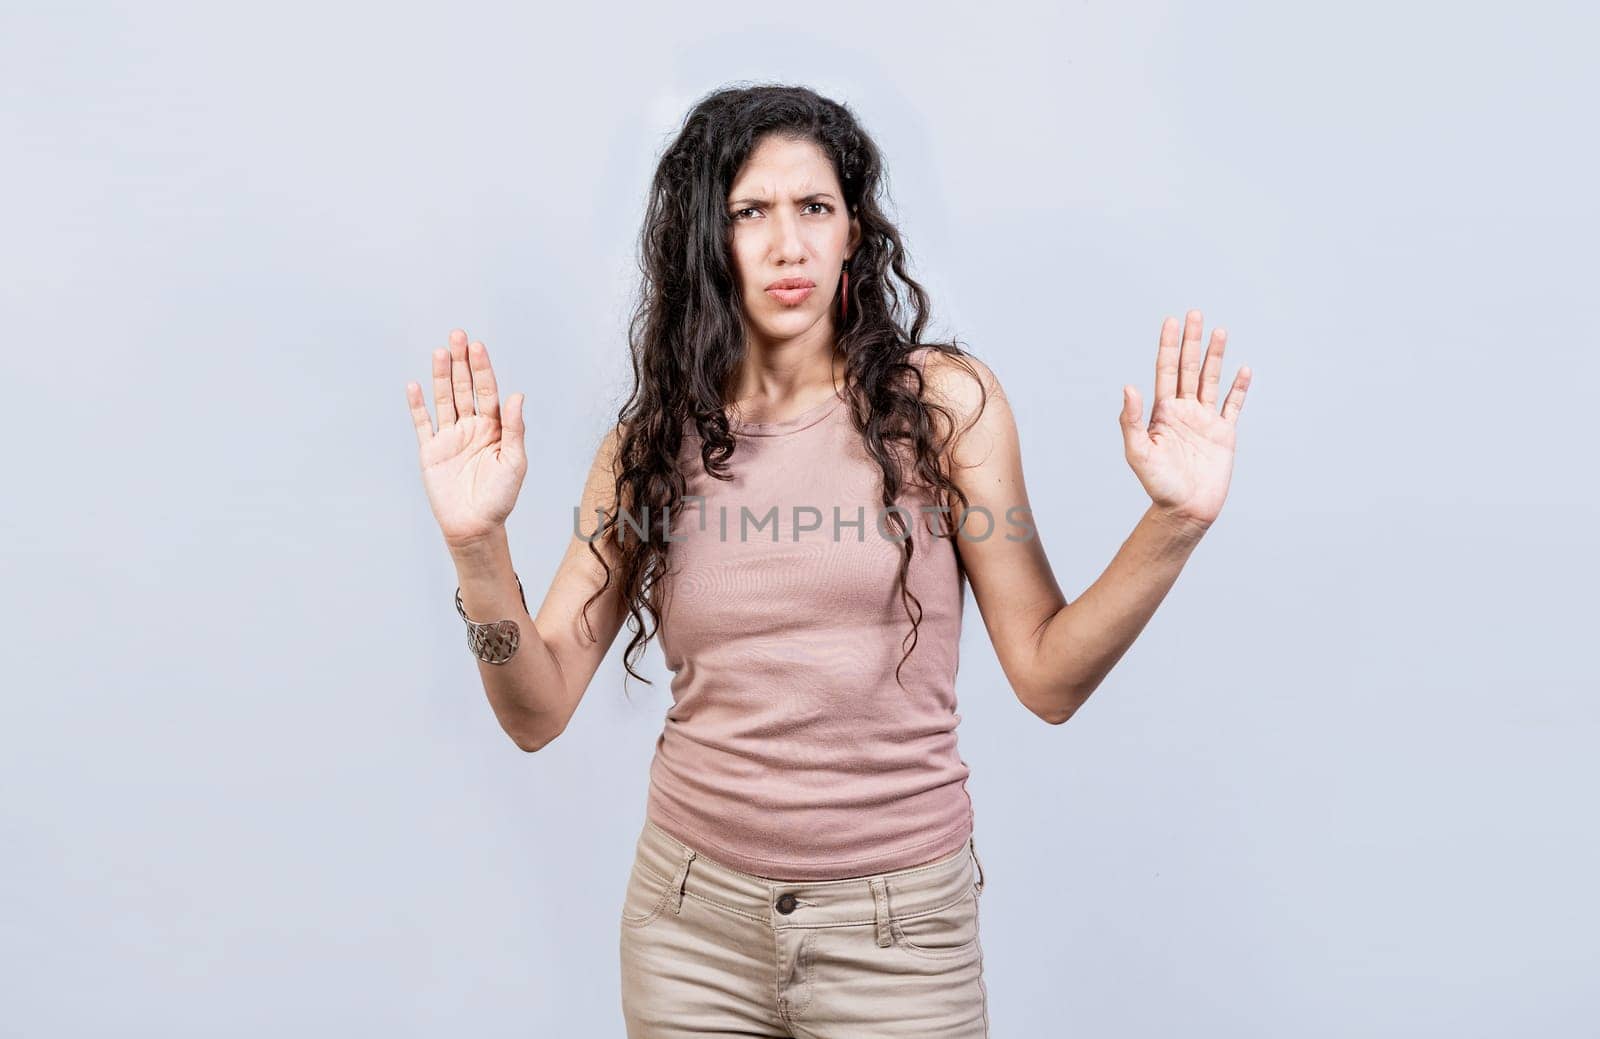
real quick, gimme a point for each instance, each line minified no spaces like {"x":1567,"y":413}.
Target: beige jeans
{"x":708,"y":950}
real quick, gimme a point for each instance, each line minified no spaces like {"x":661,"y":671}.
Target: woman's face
{"x":789,"y":224}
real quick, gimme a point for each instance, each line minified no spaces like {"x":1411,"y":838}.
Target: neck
{"x":776,"y":380}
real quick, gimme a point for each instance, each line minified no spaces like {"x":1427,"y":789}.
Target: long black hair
{"x":687,"y":337}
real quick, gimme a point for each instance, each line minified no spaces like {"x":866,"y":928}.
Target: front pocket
{"x":646,"y":896}
{"x":949,"y":931}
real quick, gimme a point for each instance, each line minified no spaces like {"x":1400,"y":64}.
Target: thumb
{"x":1132,"y":409}
{"x":513,"y":430}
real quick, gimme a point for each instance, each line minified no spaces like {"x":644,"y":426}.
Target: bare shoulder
{"x":609,"y":449}
{"x":959,"y":381}
{"x":971,"y":393}
{"x":599,"y":496}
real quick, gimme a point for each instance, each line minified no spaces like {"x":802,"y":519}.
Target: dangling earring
{"x":844,"y":290}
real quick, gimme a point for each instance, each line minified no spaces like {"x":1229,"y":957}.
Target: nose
{"x":787,"y":248}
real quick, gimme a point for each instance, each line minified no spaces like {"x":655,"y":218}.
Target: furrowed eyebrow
{"x":813,"y":197}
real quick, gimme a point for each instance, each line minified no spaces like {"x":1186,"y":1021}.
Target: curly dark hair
{"x":687,"y":338}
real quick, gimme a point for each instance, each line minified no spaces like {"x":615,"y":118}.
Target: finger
{"x":444,"y":404}
{"x":1167,"y":361}
{"x":419,"y":414}
{"x":460,"y":375}
{"x":1132,"y":409}
{"x":485,"y":394}
{"x":1235,"y":402}
{"x":1211,"y":372}
{"x":512,"y":430}
{"x":1189,"y":358}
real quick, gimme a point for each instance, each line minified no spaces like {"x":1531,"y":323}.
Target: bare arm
{"x":1055,"y":653}
{"x":1081,"y":642}
{"x":537,"y":691}
{"x":472,"y":469}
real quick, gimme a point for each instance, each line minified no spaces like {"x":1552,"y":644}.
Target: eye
{"x":738,"y":214}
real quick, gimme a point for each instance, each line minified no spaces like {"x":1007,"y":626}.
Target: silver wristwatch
{"x":495,"y":642}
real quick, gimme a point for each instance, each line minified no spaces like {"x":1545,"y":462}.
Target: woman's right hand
{"x":472,"y":467}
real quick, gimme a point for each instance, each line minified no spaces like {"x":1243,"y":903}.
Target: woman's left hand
{"x":1184,"y":458}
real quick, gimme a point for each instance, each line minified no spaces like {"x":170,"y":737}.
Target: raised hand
{"x":1184,"y":458}
{"x":473,"y":465}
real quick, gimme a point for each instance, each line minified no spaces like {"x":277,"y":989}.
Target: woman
{"x":805,"y":488}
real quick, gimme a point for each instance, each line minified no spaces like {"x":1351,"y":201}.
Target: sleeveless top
{"x":789,"y":751}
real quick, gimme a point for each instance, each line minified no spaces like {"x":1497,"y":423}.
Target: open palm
{"x":473,"y":465}
{"x":1184,"y":457}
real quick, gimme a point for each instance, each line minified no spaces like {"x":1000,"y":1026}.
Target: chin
{"x":788,"y":321}
{"x":787,"y":325}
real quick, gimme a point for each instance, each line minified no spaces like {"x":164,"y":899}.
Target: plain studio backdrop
{"x":250,"y":784}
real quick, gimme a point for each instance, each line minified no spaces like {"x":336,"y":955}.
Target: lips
{"x":789,"y":297}
{"x":790,"y":291}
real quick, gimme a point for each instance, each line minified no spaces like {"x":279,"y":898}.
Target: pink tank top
{"x":789,"y":751}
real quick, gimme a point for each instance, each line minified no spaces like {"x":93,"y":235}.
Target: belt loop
{"x":972,"y":842}
{"x":880,"y":907}
{"x":681,"y":881}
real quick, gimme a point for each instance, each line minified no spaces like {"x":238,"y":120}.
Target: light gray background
{"x":1343,"y":784}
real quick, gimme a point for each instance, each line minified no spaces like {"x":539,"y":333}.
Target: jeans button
{"x":786,"y":904}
